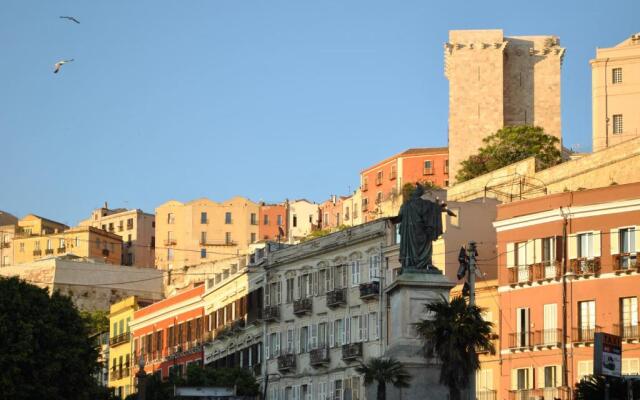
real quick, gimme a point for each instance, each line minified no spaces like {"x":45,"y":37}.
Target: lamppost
{"x":142,"y":377}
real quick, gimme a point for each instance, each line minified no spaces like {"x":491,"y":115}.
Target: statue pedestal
{"x":408,"y":295}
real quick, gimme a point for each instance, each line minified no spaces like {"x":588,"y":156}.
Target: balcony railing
{"x":61,"y":250}
{"x":554,"y":393}
{"x":37,"y":252}
{"x":547,"y":270}
{"x":585,"y":267}
{"x":271,"y":313}
{"x":625,"y":262}
{"x":547,"y":337}
{"x":170,"y":242}
{"x":351,"y":351}
{"x":520,"y":274}
{"x":370,"y":290}
{"x":286,"y":362}
{"x":336,"y":297}
{"x":302,"y":306}
{"x":319,"y":356}
{"x":48,"y":251}
{"x":520,"y":340}
{"x":486,"y":394}
{"x":627,"y":332}
{"x":121,"y":338}
{"x":5,"y":245}
{"x":585,"y":334}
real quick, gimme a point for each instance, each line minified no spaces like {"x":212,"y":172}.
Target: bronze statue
{"x":420,"y":225}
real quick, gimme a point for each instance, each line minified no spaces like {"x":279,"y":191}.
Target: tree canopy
{"x":45,"y":345}
{"x":509,"y":145}
{"x":383,"y":371}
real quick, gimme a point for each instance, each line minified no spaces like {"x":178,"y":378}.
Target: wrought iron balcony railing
{"x":119,"y":339}
{"x":351,"y":351}
{"x":369,"y":290}
{"x":271,"y":313}
{"x":547,"y":338}
{"x":302,"y":306}
{"x":627,"y":331}
{"x":336,"y":297}
{"x":286,"y":362}
{"x":585,"y":334}
{"x":520,"y":340}
{"x":319,"y":356}
{"x":585,"y":267}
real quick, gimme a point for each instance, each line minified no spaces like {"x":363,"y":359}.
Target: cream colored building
{"x":307,"y":218}
{"x":135,"y":227}
{"x":323,"y":315}
{"x":36,"y":238}
{"x":496,"y":81}
{"x":615,"y":74}
{"x":202,"y":230}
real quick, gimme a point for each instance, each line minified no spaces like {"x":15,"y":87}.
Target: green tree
{"x":592,"y":387}
{"x":45,"y":345}
{"x":383,"y":371}
{"x":509,"y":145}
{"x":96,"y":321}
{"x":409,"y":187}
{"x":242,"y":379}
{"x":454,"y":334}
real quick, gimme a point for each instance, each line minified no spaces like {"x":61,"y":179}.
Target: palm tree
{"x":455,"y":334}
{"x":383,"y":370}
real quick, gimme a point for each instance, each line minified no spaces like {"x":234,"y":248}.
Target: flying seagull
{"x":71,"y":19}
{"x":60,"y":64}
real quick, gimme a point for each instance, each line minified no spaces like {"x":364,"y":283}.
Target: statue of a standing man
{"x":420,"y":225}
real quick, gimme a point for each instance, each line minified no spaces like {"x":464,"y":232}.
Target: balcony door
{"x":587,"y":317}
{"x":550,"y":324}
{"x":522,"y":327}
{"x":629,"y":317}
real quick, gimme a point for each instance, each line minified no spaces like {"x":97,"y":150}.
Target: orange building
{"x":271,"y":217}
{"x":169,"y":333}
{"x":331,"y":213}
{"x":384,"y":180}
{"x":567,"y":269}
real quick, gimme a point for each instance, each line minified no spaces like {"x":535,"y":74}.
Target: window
{"x":322,"y":276}
{"x":587,"y":320}
{"x":548,"y":250}
{"x":550,"y":378}
{"x":49,"y":247}
{"x":374,"y":326}
{"x":279,"y":219}
{"x":374,"y":268}
{"x":355,"y":211}
{"x":171,"y":219}
{"x":253,"y":237}
{"x":338,"y":332}
{"x":358,"y":328}
{"x":227,"y":238}
{"x":550,"y":324}
{"x":365,"y":204}
{"x":203,"y":238}
{"x":304,"y":339}
{"x":522,"y":379}
{"x":265,"y":220}
{"x":522,"y":328}
{"x":104,"y":227}
{"x":254,"y":219}
{"x":627,"y":240}
{"x":365,"y":184}
{"x":628,"y":317}
{"x":617,"y":124}
{"x":322,"y":335}
{"x":585,"y":245}
{"x":21,"y":247}
{"x":120,"y":226}
{"x":446,"y":168}
{"x":346,"y":213}
{"x":379,"y":176}
{"x":304,"y":286}
{"x":340,"y":276}
{"x":337,"y":219}
{"x":428,"y":168}
{"x":378,"y":197}
{"x":325,"y":220}
{"x":585,"y":368}
{"x":203,"y":253}
{"x":295,"y":220}
{"x":631,"y":366}
{"x":393,"y":173}
{"x":170,"y":254}
{"x":227,"y":218}
{"x":289,"y":287}
{"x":203,"y":218}
{"x":337,"y":389}
{"x":5,"y":261}
{"x":616,"y":75}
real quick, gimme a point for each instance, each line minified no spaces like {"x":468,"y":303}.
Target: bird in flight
{"x":60,"y":64}
{"x":70,"y":19}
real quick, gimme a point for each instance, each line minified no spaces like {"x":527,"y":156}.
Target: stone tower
{"x":496,"y":81}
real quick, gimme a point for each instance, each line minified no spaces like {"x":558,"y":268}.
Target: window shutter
{"x":573,"y":247}
{"x":636,"y":237}
{"x":540,"y":377}
{"x":558,"y":376}
{"x":364,"y":333}
{"x":596,"y":244}
{"x":266,"y":347}
{"x":530,"y":252}
{"x":615,"y":241}
{"x":278,"y":299}
{"x":346,"y":331}
{"x":559,"y":248}
{"x":331,"y":334}
{"x":537,"y":255}
{"x":510,"y":255}
{"x":514,"y":379}
{"x":315,"y":283}
{"x":531,"y":380}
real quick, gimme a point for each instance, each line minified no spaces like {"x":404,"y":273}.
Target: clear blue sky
{"x":266,"y":99}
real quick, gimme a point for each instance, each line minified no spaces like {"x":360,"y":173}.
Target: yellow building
{"x":202,"y":230}
{"x":135,"y":227}
{"x":82,"y":241}
{"x":488,"y":377}
{"x":615,"y":74}
{"x":8,"y":227}
{"x":121,"y":362}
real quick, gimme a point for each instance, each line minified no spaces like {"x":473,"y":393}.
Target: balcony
{"x":520,"y":275}
{"x":271,"y":313}
{"x":427,"y":171}
{"x":336,"y":298}
{"x":548,"y":338}
{"x":547,"y":270}
{"x":37,"y":252}
{"x":318,"y":357}
{"x":302,"y":306}
{"x":170,"y":242}
{"x":5,"y":245}
{"x":119,"y":339}
{"x":585,"y":267}
{"x":351,"y":351}
{"x":370,"y":290}
{"x":48,"y":251}
{"x":365,"y":187}
{"x":286,"y":362}
{"x":552,"y":393}
{"x":486,"y":394}
{"x":520,"y":341}
{"x":625,"y":263}
{"x":61,"y":250}
{"x":627,"y":332}
{"x":105,"y":252}
{"x":585,"y":335}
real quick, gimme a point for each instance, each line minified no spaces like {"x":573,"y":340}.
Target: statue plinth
{"x":408,"y":295}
